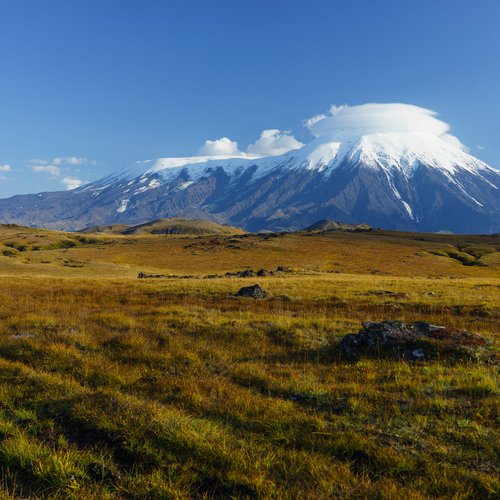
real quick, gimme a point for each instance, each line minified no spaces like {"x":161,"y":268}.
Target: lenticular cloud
{"x":342,"y":122}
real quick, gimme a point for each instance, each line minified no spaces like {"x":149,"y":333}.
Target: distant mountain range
{"x":395,"y":180}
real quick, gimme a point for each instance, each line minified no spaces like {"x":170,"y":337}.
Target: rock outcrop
{"x":412,"y":341}
{"x":254,"y":292}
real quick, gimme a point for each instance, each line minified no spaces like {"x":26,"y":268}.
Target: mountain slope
{"x":395,"y":180}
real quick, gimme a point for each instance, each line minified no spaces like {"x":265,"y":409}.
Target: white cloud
{"x":47,"y":169}
{"x":273,"y":142}
{"x":61,"y":167}
{"x":335,"y":110}
{"x":61,"y":161}
{"x":309,"y":122}
{"x":72,"y":182}
{"x":5,"y":168}
{"x":220,"y":147}
{"x":342,"y":122}
{"x":70,"y":160}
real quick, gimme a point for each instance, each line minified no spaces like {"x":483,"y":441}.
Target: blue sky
{"x":89,"y":86}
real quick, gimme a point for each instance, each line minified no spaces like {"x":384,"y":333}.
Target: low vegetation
{"x":118,"y":387}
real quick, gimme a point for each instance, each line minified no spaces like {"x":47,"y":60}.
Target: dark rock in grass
{"x":283,"y":269}
{"x":171,"y":276}
{"x":254,"y":291}
{"x":247,"y":273}
{"x":142,"y":275}
{"x":413,"y":342}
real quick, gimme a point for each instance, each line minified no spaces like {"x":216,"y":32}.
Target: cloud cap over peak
{"x":354,"y":121}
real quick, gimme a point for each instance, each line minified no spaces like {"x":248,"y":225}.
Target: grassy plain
{"x":118,"y":387}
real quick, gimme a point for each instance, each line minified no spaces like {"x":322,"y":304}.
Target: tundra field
{"x":117,"y":387}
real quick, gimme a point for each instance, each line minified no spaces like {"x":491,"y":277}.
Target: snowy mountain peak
{"x":392,"y":166}
{"x":405,"y":151}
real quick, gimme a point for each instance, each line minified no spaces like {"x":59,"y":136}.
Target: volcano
{"x":386,"y":169}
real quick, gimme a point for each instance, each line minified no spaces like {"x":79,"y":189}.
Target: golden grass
{"x":115,"y":387}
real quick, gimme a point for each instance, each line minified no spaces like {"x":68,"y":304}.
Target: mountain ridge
{"x":396,"y":180}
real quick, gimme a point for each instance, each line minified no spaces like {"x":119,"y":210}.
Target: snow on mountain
{"x":390,"y":165}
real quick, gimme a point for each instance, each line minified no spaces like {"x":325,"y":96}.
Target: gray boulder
{"x":412,"y":341}
{"x":254,"y":292}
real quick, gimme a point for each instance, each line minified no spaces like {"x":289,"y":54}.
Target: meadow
{"x":117,"y":387}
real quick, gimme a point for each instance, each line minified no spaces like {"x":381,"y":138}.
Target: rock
{"x":149,"y":276}
{"x":247,"y":273}
{"x":170,"y":276}
{"x":254,"y":291}
{"x":282,"y":269}
{"x":412,"y":341}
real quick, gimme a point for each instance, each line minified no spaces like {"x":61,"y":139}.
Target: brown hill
{"x":167,"y":226}
{"x":182,"y":226}
{"x":332,"y":225}
{"x":111,"y":229}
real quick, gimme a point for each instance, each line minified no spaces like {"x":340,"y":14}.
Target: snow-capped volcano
{"x":392,"y":165}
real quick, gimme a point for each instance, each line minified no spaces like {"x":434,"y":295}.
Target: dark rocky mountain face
{"x":283,"y":193}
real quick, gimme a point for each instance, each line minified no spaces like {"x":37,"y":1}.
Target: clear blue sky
{"x":116,"y":81}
